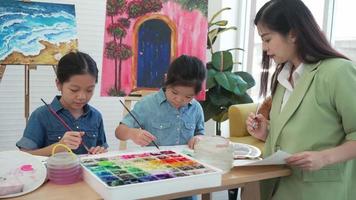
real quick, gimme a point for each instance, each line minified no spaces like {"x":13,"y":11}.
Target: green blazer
{"x":320,"y":114}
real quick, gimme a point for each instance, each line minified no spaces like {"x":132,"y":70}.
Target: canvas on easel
{"x":35,"y":33}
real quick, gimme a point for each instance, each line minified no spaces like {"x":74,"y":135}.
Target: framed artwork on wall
{"x":142,"y":37}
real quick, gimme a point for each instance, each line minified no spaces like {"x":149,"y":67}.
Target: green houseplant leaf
{"x":223,"y":86}
{"x":222,"y":61}
{"x":210,"y":81}
{"x":219,"y":23}
{"x":246,"y":77}
{"x":231,"y":82}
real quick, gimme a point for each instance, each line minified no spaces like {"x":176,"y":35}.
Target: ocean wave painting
{"x":36,"y":33}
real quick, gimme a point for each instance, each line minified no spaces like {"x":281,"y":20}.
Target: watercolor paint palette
{"x":146,"y":174}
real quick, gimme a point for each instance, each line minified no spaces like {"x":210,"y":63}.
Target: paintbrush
{"x":62,"y":121}
{"x":153,"y":142}
{"x":255,"y":123}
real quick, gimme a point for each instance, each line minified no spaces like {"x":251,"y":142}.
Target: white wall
{"x":90,"y":22}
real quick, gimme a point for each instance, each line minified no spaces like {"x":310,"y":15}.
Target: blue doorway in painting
{"x":154,"y":53}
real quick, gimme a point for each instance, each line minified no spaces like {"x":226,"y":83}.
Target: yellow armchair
{"x":237,"y":117}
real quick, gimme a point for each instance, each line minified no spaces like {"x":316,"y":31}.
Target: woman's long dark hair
{"x":284,"y":16}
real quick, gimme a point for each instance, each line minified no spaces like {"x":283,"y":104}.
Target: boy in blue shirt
{"x":170,"y":116}
{"x":77,"y":75}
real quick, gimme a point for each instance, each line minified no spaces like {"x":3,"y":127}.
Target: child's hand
{"x":72,"y":139}
{"x":193,"y":141}
{"x":257,"y":126}
{"x":142,"y":137}
{"x":97,"y":150}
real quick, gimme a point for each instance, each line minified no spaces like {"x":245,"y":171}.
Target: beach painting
{"x":36,"y":33}
{"x":142,"y":37}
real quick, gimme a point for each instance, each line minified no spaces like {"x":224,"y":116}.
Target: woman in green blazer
{"x":313,"y":114}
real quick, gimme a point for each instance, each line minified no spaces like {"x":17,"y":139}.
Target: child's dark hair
{"x":186,"y":71}
{"x":76,"y":63}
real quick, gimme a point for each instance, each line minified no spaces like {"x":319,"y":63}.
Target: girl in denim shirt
{"x":77,"y":75}
{"x":170,"y":116}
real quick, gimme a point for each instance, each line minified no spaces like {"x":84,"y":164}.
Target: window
{"x":343,"y":29}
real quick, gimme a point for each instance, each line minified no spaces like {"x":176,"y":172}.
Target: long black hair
{"x":284,"y":16}
{"x":76,"y":63}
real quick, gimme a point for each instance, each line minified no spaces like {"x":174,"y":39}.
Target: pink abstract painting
{"x":142,"y":37}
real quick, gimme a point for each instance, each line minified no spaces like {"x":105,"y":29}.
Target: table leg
{"x":251,"y":191}
{"x":206,"y":196}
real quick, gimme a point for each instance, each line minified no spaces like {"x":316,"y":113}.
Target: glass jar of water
{"x":216,"y":151}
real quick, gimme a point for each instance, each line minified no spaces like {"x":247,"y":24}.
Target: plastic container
{"x":64,"y":167}
{"x":216,"y":151}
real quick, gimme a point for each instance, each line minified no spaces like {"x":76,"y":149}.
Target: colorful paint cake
{"x":149,"y":170}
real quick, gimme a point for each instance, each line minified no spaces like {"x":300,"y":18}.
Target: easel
{"x":28,"y":67}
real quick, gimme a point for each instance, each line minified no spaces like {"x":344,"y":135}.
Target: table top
{"x":236,"y":177}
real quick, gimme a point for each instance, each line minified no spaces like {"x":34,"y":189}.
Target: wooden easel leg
{"x":27,"y":92}
{"x":2,"y":71}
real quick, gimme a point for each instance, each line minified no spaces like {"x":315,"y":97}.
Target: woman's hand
{"x":257,"y":126}
{"x":142,"y":137}
{"x":193,"y":141}
{"x":72,"y":139}
{"x":97,"y":150}
{"x":307,"y":160}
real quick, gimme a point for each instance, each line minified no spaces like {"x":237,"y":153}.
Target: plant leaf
{"x":212,"y":37}
{"x":221,"y":30}
{"x":219,"y":96}
{"x":209,"y":109}
{"x":231,"y":82}
{"x":222,"y":61}
{"x":236,"y":48}
{"x":247,"y":77}
{"x":210,"y":81}
{"x":219,"y":23}
{"x":217,"y":14}
{"x":243,"y":99}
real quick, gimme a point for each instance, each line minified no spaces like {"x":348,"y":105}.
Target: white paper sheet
{"x":277,"y":158}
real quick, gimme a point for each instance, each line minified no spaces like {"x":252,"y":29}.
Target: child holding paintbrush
{"x":68,"y":119}
{"x":170,"y":116}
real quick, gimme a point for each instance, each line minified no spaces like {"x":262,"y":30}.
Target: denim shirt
{"x":169,"y":125}
{"x":44,"y":129}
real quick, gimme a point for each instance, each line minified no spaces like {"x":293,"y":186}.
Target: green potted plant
{"x":223,"y":86}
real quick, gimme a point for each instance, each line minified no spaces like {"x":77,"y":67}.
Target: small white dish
{"x":245,"y":151}
{"x":27,"y":169}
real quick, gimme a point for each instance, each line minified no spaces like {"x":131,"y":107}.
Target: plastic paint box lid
{"x":62,"y":160}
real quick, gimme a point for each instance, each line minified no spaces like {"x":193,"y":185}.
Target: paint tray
{"x":146,"y":174}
